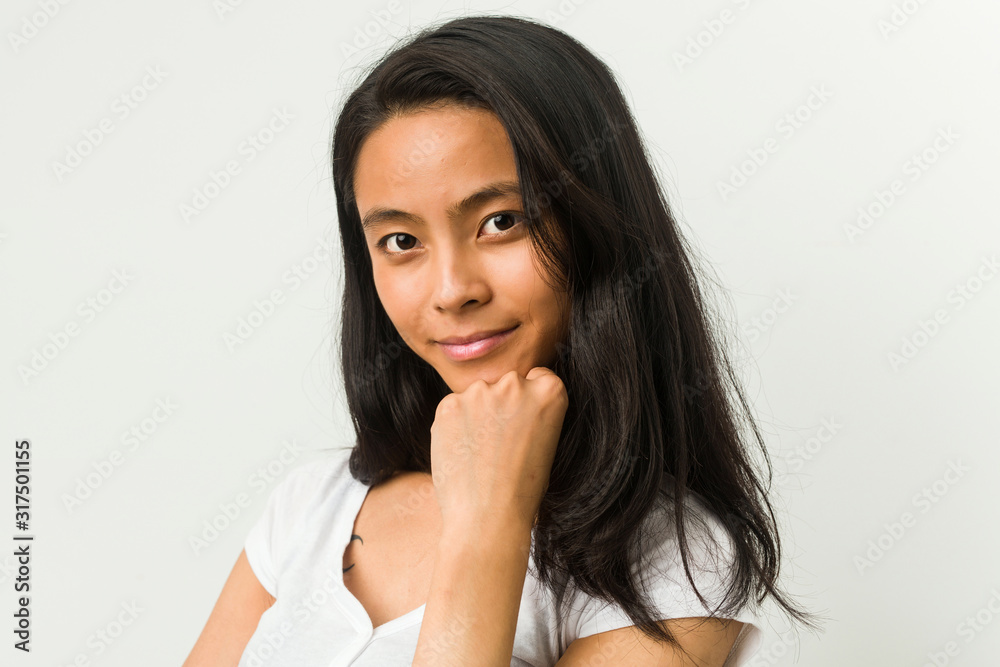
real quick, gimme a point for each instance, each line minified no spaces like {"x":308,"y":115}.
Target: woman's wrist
{"x":491,"y":529}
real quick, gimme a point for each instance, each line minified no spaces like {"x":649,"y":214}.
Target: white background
{"x":817,"y":311}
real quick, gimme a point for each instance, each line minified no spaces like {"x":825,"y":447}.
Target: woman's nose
{"x":458,"y":278}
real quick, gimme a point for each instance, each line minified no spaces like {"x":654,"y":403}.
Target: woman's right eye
{"x":381,"y":245}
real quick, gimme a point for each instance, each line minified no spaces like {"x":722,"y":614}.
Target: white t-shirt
{"x":296,"y":550}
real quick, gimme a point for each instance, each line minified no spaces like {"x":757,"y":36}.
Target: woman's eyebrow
{"x":378,"y":215}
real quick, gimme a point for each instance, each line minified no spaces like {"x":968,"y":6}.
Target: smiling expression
{"x":438,"y":195}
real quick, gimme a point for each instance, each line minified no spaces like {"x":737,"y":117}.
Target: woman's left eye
{"x":512,"y":217}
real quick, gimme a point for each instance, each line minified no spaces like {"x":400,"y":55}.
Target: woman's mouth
{"x":473,"y":350}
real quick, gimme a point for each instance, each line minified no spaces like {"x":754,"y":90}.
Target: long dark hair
{"x":649,"y":417}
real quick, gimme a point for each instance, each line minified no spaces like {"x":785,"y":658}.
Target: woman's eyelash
{"x":380,"y":245}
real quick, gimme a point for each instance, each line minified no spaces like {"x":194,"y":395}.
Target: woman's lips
{"x":476,"y":349}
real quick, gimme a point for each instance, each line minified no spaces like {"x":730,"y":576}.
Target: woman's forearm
{"x":476,"y":588}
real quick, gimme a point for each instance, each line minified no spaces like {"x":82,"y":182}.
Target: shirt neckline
{"x":359,"y":615}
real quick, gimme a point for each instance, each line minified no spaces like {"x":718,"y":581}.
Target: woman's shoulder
{"x":330,"y":462}
{"x":708,"y":547}
{"x":701,"y":523}
{"x":661,"y":574}
{"x":313,"y":478}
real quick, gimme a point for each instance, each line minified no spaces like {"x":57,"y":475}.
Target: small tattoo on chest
{"x":353,"y":537}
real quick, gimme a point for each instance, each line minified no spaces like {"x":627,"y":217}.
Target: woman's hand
{"x":492,"y":448}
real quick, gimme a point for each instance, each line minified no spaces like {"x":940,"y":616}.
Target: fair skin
{"x":449,"y":276}
{"x":454,"y":270}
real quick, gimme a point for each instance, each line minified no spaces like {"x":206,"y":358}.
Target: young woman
{"x":548,"y":467}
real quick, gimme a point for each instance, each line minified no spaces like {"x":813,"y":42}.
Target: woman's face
{"x":437,"y":191}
